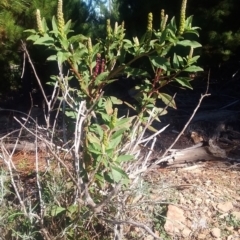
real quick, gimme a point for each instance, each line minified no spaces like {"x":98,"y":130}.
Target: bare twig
{"x":34,"y":71}
{"x":51,"y":102}
{"x":77,"y":140}
{"x":38,"y":180}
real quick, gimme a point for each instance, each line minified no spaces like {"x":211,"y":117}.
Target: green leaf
{"x":161,"y":111}
{"x":44,"y":25}
{"x":166,"y":50}
{"x":118,"y":174}
{"x":100,"y":179}
{"x":124,"y":158}
{"x":192,"y":31}
{"x":135,"y":72}
{"x":172,"y":37}
{"x":151,"y":128}
{"x":45,"y":40}
{"x":121,"y":57}
{"x":77,"y":38}
{"x":193,"y":68}
{"x":101,"y":77}
{"x":67,"y":26}
{"x":97,"y":130}
{"x":96,"y":48}
{"x":168,"y":100}
{"x":152,"y":43}
{"x":123,"y":123}
{"x":71,"y":210}
{"x":115,"y":100}
{"x":108,"y":107}
{"x":54,"y":24}
{"x":180,"y":60}
{"x":114,"y":45}
{"x":55,"y":210}
{"x":184,"y":82}
{"x":80,"y":53}
{"x":175,"y":62}
{"x":108,"y":177}
{"x":113,"y":143}
{"x":163,"y":37}
{"x":50,"y":84}
{"x":33,"y":38}
{"x":159,"y":62}
{"x":188,"y":22}
{"x":193,"y":60}
{"x":118,"y":133}
{"x":188,"y":43}
{"x":127,"y":43}
{"x":33,"y":31}
{"x":172,"y":25}
{"x":62,"y":56}
{"x":70,"y":114}
{"x":92,"y":138}
{"x":52,"y":58}
{"x":105,"y":116}
{"x":64,"y":42}
{"x":95,"y":148}
{"x":153,"y":114}
{"x":159,"y":49}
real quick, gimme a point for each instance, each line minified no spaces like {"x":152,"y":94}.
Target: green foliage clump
{"x":97,"y":65}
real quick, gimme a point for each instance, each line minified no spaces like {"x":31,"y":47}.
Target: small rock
{"x":216,"y":232}
{"x":238,"y":198}
{"x":222,"y":216}
{"x":207,"y":201}
{"x":225,"y":207}
{"x":198,"y":201}
{"x":149,"y":237}
{"x":202,"y":236}
{"x":182,"y":200}
{"x":230,"y":229}
{"x":186,"y":232}
{"x":202,"y":223}
{"x":208,"y":182}
{"x":209,"y":213}
{"x":175,"y":220}
{"x":205,"y":209}
{"x":236,"y":215}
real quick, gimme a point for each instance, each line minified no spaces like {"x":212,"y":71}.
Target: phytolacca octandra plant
{"x":95,"y":65}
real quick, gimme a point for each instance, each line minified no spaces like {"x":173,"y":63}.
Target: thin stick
{"x":52,"y":101}
{"x":38,"y":179}
{"x":34,"y":71}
